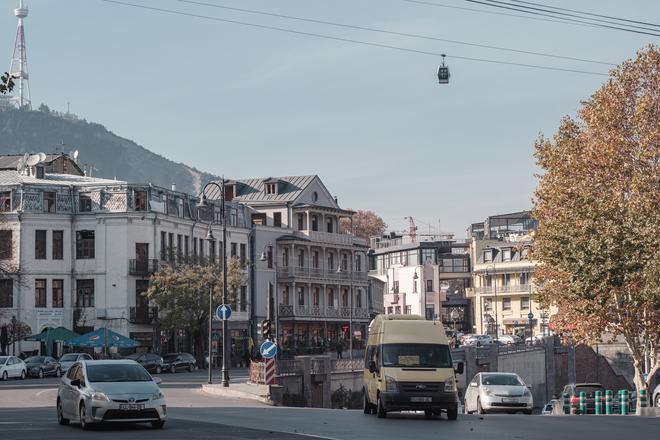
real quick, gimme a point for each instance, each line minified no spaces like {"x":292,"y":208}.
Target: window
{"x":50,"y":201}
{"x":285,"y":296}
{"x":524,"y":278}
{"x":488,"y":256}
{"x":429,"y":285}
{"x":506,"y":254}
{"x":330,"y":225}
{"x":506,"y":303}
{"x":179,"y":247}
{"x":414,"y":286}
{"x":300,"y":222}
{"x":58,"y":245}
{"x":40,"y":293}
{"x":390,"y":310}
{"x":234,"y":248}
{"x":301,"y":258}
{"x":40,"y":244}
{"x":489,"y":280}
{"x":358,"y":299}
{"x":170,"y":247}
{"x":277,"y":219}
{"x":315,"y":223}
{"x":5,"y":201}
{"x":524,"y":303}
{"x":186,"y":246}
{"x":84,"y":202}
{"x":6,"y":293}
{"x":331,"y":261}
{"x":243,"y":298}
{"x":316,"y":298}
{"x":271,"y":188}
{"x":259,"y":219}
{"x":269,"y":257}
{"x":315,"y":259}
{"x":524,"y":254}
{"x":408,"y":310}
{"x":395,"y":286}
{"x":141,"y":301}
{"x":344,"y":262}
{"x":163,"y":245}
{"x":397,"y":310}
{"x":488,"y":304}
{"x":40,"y":172}
{"x":344,"y":298}
{"x":6,"y":244}
{"x":358,"y":263}
{"x":84,"y":293}
{"x":141,"y":201}
{"x":428,"y":255}
{"x":285,"y":257}
{"x":506,"y":279}
{"x":84,"y":244}
{"x":195,"y":249}
{"x":57,"y":287}
{"x":331,"y":298}
{"x":243,"y":249}
{"x":301,"y":296}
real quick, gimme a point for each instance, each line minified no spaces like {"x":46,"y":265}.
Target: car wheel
{"x":158,"y":425}
{"x":366,"y":407}
{"x":657,"y":401}
{"x":452,"y":413}
{"x":428,"y":414}
{"x":58,"y":372}
{"x":23,"y":375}
{"x":41,"y":373}
{"x":60,"y":414}
{"x":172,"y":369}
{"x":83,"y":418}
{"x":191,"y":368}
{"x":381,"y":413}
{"x":4,"y":376}
{"x":480,"y":409}
{"x":158,"y":369}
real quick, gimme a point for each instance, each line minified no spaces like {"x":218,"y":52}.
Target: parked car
{"x":70,"y":358}
{"x":536,"y":339}
{"x":498,"y":392}
{"x":478,"y":340}
{"x":11,"y":366}
{"x":552,"y":407}
{"x":152,"y":362}
{"x":40,"y":366}
{"x":110,"y":391}
{"x":509,"y":339}
{"x":174,"y":362}
{"x":574,"y":390}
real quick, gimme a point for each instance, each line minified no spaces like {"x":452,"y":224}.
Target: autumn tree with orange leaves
{"x":364,"y":224}
{"x":598,"y":207}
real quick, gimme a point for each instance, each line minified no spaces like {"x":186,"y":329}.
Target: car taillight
{"x":575,"y":400}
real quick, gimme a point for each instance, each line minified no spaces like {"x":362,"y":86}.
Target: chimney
{"x":174,"y":187}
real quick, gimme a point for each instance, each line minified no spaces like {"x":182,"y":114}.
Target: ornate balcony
{"x":314,"y":273}
{"x":142,"y":268}
{"x":143,"y":315}
{"x":343,"y":313}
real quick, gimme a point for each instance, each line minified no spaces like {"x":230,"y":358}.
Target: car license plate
{"x":421,"y":399}
{"x":509,"y":400}
{"x":131,"y":406}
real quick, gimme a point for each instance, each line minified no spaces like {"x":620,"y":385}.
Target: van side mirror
{"x":459,"y":368}
{"x":372,"y":366}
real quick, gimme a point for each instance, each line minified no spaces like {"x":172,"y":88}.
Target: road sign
{"x":530,"y":316}
{"x":268,"y":350}
{"x":223,"y":312}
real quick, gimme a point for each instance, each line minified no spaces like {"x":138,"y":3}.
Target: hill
{"x":111,"y":155}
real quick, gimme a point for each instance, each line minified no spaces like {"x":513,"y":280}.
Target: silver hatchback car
{"x":110,"y":391}
{"x":498,"y":392}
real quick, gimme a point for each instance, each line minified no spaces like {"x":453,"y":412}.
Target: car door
{"x":66,"y":396}
{"x":17,"y":366}
{"x":471,"y":394}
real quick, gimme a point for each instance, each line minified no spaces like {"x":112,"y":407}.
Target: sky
{"x":372,"y":122}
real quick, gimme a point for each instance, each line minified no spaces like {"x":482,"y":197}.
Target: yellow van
{"x":408,"y":366}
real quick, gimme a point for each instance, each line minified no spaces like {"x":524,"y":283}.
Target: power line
{"x":527,"y":11}
{"x":384,"y":31}
{"x":587,"y":13}
{"x":597,"y":20}
{"x":350,"y":40}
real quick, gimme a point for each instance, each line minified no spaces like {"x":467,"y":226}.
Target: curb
{"x":237,"y":394}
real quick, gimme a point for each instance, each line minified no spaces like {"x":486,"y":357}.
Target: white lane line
{"x":40,"y":393}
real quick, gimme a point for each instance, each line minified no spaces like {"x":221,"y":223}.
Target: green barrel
{"x":567,"y":403}
{"x":624,"y":403}
{"x":642,"y":398}
{"x":583,"y":402}
{"x":609,"y":404}
{"x":599,"y":402}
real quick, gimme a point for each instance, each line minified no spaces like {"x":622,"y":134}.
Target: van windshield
{"x":416,"y":355}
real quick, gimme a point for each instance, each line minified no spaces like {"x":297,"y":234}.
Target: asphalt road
{"x":27,"y":412}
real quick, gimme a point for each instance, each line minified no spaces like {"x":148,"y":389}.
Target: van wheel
{"x":452,"y":413}
{"x":381,"y":413}
{"x":367,"y":407}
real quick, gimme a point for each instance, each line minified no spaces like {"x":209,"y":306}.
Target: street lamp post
{"x":422,"y":291}
{"x":494,"y":282}
{"x":13,"y":334}
{"x":275,"y":312}
{"x":211,"y":239}
{"x":530,"y":316}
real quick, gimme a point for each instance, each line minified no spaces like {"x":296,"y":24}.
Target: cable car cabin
{"x":443,"y":74}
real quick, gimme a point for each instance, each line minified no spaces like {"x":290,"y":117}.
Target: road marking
{"x":40,"y":393}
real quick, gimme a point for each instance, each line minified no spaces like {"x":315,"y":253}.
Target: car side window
{"x":10,"y":361}
{"x":72,"y":372}
{"x":79,"y":375}
{"x":86,"y":357}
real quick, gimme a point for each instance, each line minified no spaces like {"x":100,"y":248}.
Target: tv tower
{"x":18,"y":67}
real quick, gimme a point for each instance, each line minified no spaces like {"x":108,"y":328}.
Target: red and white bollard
{"x":269,"y":376}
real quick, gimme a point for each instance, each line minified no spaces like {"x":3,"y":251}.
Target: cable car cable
{"x":350,"y":40}
{"x":402,"y":34}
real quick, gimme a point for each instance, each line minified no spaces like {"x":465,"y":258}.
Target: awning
{"x":103,"y":337}
{"x":53,"y":334}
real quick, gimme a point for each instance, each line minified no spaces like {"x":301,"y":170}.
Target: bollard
{"x":583,"y":402}
{"x":599,"y":402}
{"x":624,"y":403}
{"x":642,"y":398}
{"x":609,"y":404}
{"x":567,"y":403}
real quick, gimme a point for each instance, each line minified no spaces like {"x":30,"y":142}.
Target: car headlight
{"x":527,"y":393}
{"x":450,"y":385}
{"x":390,"y":384}
{"x":158,"y":395}
{"x":101,"y":397}
{"x":487,"y":391}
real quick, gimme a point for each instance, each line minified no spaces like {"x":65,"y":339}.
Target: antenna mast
{"x":18,"y":67}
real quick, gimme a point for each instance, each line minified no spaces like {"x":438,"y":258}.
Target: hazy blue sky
{"x":372,"y":122}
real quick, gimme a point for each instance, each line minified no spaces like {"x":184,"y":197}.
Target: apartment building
{"x":77,"y":251}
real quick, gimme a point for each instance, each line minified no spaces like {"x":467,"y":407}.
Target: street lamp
{"x":275,"y":313}
{"x":203,"y":203}
{"x":13,"y":334}
{"x":422,"y":290}
{"x":211,"y":239}
{"x":497,"y":325}
{"x":530,"y":316}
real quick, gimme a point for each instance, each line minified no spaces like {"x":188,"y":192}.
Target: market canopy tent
{"x":103,"y":337}
{"x":50,"y":335}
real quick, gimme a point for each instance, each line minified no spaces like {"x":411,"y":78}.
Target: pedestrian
{"x":340,"y":349}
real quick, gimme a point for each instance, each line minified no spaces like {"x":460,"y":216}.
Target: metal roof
{"x":8,"y":177}
{"x":290,"y":188}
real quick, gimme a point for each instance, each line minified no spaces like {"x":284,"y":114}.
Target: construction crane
{"x":412,"y":229}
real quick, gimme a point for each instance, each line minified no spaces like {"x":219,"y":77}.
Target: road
{"x":27,"y":412}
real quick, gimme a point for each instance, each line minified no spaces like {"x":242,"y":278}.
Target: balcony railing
{"x":286,"y":311}
{"x":142,"y":267}
{"x":318,"y":273}
{"x":143,"y":315}
{"x":491,"y":290}
{"x":332,"y":238}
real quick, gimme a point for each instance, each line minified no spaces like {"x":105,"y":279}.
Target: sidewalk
{"x":244,"y":390}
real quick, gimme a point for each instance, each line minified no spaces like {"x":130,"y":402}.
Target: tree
{"x":182,"y":294}
{"x":365,"y":224}
{"x":598,"y":209}
{"x":6,"y":83}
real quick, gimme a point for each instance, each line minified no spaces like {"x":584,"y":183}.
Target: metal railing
{"x":143,"y":315}
{"x":286,"y":310}
{"x":521,"y":288}
{"x":320,"y":273}
{"x":141,"y":267}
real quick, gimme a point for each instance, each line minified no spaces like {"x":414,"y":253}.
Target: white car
{"x":11,"y":366}
{"x":70,"y":358}
{"x":509,"y":339}
{"x":498,"y":392}
{"x":656,"y":397}
{"x":478,"y":340}
{"x":550,"y":408}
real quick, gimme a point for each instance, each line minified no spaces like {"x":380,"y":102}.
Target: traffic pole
{"x":599,"y":402}
{"x":609,"y":404}
{"x":583,"y":402}
{"x":624,"y":403}
{"x":567,"y":403}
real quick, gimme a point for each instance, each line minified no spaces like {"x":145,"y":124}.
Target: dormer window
{"x":229,"y":193}
{"x":271,"y":188}
{"x":40,"y":172}
{"x":488,"y":256}
{"x":506,"y":254}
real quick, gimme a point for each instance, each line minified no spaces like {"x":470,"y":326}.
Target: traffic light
{"x":266,"y":329}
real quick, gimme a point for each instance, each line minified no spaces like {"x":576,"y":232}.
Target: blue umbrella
{"x":103,"y":337}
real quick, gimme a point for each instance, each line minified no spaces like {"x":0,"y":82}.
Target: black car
{"x":152,"y":362}
{"x":174,"y":362}
{"x":40,"y":366}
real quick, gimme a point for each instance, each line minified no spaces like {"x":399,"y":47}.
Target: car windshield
{"x":117,"y":373}
{"x":69,"y":358}
{"x":34,"y":360}
{"x":500,"y":379}
{"x":588,"y":388}
{"x":416,"y":355}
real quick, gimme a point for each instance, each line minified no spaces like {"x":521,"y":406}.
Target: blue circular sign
{"x":268,"y":350}
{"x":223,"y":312}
